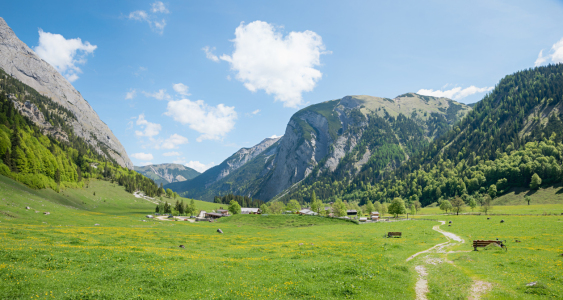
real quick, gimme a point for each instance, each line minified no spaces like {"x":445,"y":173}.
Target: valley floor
{"x":64,"y":255}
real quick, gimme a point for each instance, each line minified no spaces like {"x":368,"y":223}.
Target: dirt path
{"x":478,"y":288}
{"x":421,"y":284}
{"x":440,"y":247}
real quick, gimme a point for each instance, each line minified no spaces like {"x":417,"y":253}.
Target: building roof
{"x":214,"y":214}
{"x":307,"y":212}
{"x":247,"y":210}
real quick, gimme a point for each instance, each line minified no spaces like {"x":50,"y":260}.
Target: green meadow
{"x":64,"y":255}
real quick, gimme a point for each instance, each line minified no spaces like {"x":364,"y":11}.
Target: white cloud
{"x":150,"y":129}
{"x":131,"y":94}
{"x":63,"y":54}
{"x":181,"y":89}
{"x":142,"y":156}
{"x":139,"y":15}
{"x":275,"y":136}
{"x":173,"y":142}
{"x":160,"y":95}
{"x":159,"y":7}
{"x":171,"y":154}
{"x":212,"y":122}
{"x":255,"y":112}
{"x":284,"y":66}
{"x":200,"y":167}
{"x":209,"y":53}
{"x":556,"y":55}
{"x":143,"y":16}
{"x":456,"y":93}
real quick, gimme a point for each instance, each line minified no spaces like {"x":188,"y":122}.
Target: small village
{"x":211,"y":216}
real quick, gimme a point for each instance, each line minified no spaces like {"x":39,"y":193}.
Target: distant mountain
{"x":237,"y":174}
{"x":20,"y":62}
{"x":333,"y":140}
{"x":167,"y":173}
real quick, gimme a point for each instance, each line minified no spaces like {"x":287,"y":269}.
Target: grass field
{"x":543,"y":201}
{"x":536,"y":257}
{"x":64,"y":256}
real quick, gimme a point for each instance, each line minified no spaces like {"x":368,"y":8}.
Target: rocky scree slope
{"x":167,"y":173}
{"x":18,"y":60}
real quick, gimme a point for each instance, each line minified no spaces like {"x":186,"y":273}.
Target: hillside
{"x":516,"y":131}
{"x":38,"y":146}
{"x":19,"y":61}
{"x":238,"y":174}
{"x":167,"y":173}
{"x":100,"y":199}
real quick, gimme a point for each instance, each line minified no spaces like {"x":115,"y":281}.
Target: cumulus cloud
{"x":456,"y":93}
{"x":181,"y":89}
{"x":213,"y":122}
{"x":275,"y":136}
{"x":200,"y":167}
{"x":160,"y":95}
{"x":150,"y":129}
{"x":255,"y":112}
{"x":131,"y":94}
{"x":142,"y":156}
{"x":65,"y":55}
{"x":209,"y":53}
{"x":555,"y":56}
{"x":155,"y":24}
{"x":171,"y":154}
{"x":173,"y":142}
{"x":284,"y":66}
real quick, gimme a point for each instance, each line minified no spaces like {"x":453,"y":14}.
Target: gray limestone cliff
{"x":18,"y":60}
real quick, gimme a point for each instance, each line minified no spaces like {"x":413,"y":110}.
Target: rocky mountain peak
{"x":21,"y":62}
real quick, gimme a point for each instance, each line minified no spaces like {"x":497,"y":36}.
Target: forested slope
{"x":516,"y":131}
{"x":51,"y":155}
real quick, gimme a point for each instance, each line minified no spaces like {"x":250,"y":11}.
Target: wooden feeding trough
{"x":482,"y":244}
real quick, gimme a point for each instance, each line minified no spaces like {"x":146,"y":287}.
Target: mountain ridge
{"x":21,"y":62}
{"x":320,"y":136}
{"x":167,"y":173}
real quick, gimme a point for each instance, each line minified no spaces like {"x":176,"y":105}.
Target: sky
{"x":191,"y":82}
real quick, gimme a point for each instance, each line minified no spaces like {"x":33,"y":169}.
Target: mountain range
{"x":357,"y":148}
{"x":167,"y":173}
{"x":342,"y":138}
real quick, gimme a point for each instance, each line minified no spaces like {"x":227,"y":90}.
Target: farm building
{"x":308,"y":212}
{"x":375,"y":216}
{"x":351,"y":212}
{"x":223,"y":212}
{"x":214,"y":215}
{"x":250,"y":211}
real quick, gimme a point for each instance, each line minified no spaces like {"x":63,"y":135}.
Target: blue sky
{"x":192,"y":82}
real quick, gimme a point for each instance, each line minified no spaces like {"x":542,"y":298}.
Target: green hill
{"x":98,"y":201}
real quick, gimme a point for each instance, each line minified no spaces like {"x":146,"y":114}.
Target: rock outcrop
{"x":18,"y":60}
